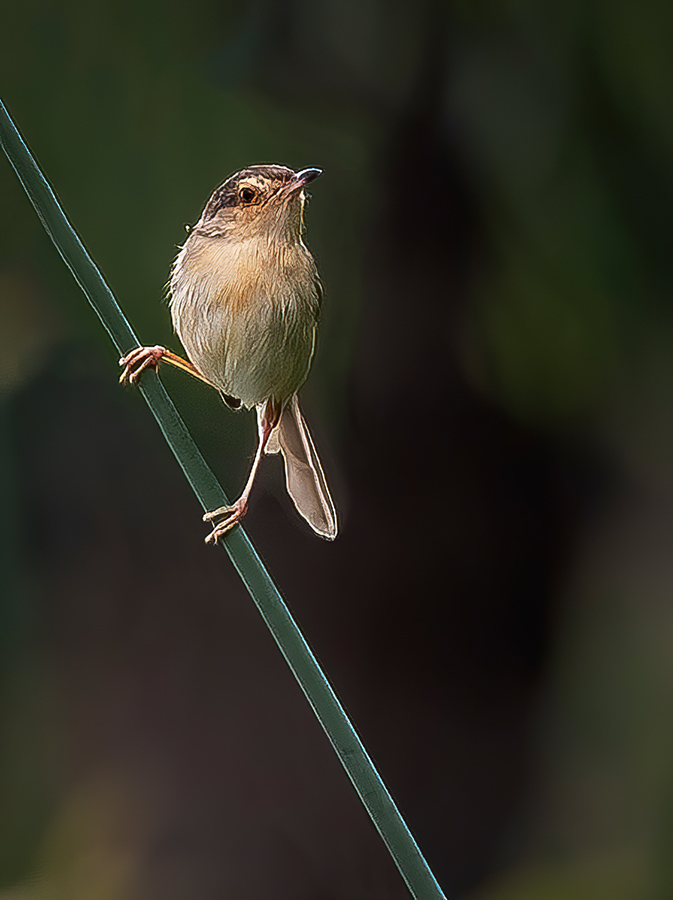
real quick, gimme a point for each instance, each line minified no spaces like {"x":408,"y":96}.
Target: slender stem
{"x":350,"y":750}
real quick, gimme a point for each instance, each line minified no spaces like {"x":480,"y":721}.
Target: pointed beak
{"x":307,"y":175}
{"x":301,"y":179}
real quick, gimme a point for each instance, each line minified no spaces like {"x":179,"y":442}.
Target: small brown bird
{"x":245,"y":302}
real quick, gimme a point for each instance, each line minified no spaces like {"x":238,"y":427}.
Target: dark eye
{"x":247,"y":194}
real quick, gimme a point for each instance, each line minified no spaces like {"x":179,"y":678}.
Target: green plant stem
{"x":307,"y":671}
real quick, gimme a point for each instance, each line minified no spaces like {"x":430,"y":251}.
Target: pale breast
{"x":246,"y":314}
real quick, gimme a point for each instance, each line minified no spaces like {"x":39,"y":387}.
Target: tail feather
{"x":304,"y":476}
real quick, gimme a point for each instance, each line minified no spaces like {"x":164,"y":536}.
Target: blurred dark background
{"x":492,"y":397}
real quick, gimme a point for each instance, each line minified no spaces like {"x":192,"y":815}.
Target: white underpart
{"x":246,"y":313}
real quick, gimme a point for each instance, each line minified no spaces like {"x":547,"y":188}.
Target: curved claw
{"x":138,"y":360}
{"x":232,"y":516}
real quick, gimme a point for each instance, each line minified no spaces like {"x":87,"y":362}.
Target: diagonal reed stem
{"x":331,"y":715}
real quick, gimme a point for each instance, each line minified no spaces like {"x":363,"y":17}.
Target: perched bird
{"x":245,"y":301}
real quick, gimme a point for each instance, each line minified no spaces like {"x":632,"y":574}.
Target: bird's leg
{"x":267,"y":419}
{"x":142,"y":358}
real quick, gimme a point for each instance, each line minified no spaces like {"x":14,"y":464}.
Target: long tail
{"x":304,"y":476}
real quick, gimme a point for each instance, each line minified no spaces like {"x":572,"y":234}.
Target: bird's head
{"x":256,"y":202}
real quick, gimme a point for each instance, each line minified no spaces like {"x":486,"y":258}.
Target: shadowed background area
{"x":491,"y":396}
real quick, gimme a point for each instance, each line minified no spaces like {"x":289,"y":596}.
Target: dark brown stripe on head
{"x":226,"y":195}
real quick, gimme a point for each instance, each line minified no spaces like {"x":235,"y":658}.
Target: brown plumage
{"x":245,"y":301}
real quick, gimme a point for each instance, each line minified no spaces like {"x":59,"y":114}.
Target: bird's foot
{"x":232,"y":515}
{"x":138,"y":360}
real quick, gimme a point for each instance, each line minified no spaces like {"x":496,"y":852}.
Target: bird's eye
{"x":247,"y":194}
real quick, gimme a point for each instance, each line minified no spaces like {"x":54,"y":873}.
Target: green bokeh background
{"x":537,"y":285}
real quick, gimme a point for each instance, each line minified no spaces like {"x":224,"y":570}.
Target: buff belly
{"x":242,"y":323}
